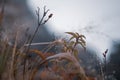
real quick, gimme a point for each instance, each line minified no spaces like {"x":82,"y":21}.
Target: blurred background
{"x":97,"y":20}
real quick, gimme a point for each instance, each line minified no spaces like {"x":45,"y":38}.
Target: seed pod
{"x":50,"y":15}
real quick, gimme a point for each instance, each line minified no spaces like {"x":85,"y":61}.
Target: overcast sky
{"x":98,"y":20}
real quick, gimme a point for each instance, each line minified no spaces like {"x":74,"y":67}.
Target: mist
{"x":97,"y":20}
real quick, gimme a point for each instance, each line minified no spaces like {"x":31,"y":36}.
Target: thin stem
{"x":13,"y":58}
{"x":40,"y":22}
{"x":42,"y":43}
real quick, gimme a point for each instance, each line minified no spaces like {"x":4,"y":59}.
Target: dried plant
{"x":28,"y":64}
{"x":105,"y":63}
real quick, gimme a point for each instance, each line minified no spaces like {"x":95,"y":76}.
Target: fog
{"x":98,"y":20}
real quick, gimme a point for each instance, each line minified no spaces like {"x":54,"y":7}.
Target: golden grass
{"x":18,"y":64}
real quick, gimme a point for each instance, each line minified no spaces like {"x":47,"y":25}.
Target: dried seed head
{"x":50,"y":15}
{"x":106,"y":51}
{"x":104,"y":55}
{"x":45,"y":21}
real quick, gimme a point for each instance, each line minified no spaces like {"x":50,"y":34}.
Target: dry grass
{"x":18,"y":64}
